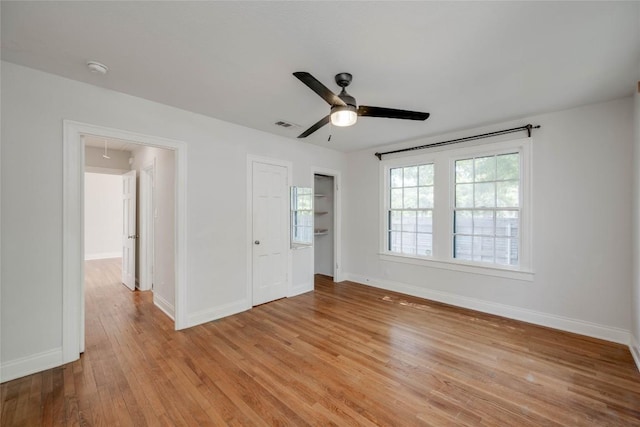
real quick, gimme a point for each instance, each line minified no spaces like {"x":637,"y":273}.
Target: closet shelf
{"x":320,"y":195}
{"x":320,"y":231}
{"x":320,"y":213}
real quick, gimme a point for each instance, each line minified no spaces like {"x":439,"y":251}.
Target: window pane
{"x":464,"y":171}
{"x":464,"y":195}
{"x":425,"y":244}
{"x":425,"y":197}
{"x":396,"y":198}
{"x":395,"y":220}
{"x":485,"y":169}
{"x":308,"y":234}
{"x":507,"y":223}
{"x":410,"y":212}
{"x":396,"y":177}
{"x":483,"y":223}
{"x":483,"y":249}
{"x":304,"y":218}
{"x":462,"y":247}
{"x":395,"y":241}
{"x":303,"y":234}
{"x":502,"y":251}
{"x":411,"y":176}
{"x":462,"y":222}
{"x":485,"y":195}
{"x":425,"y":175}
{"x":409,"y":221}
{"x":409,"y":243}
{"x":410,"y":198}
{"x":508,"y":166}
{"x":425,"y":221}
{"x":304,"y":201}
{"x":514,"y":252}
{"x":507,"y":251}
{"x":508,"y":194}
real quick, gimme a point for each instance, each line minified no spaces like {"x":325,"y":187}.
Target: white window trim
{"x":444,"y":166}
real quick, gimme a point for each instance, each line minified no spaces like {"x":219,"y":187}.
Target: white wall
{"x":34,"y":105}
{"x":102,"y":216}
{"x":164,"y":221}
{"x":582,"y":176}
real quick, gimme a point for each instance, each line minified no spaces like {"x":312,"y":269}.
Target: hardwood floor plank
{"x":343,"y":355}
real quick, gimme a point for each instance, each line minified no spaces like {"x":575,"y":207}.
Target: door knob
{"x":257,"y":242}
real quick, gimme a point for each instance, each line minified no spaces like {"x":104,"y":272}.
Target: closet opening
{"x":324,"y":236}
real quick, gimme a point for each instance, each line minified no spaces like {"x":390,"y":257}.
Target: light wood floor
{"x":345,"y":354}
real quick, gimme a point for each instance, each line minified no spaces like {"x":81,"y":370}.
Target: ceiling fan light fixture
{"x":344,"y":115}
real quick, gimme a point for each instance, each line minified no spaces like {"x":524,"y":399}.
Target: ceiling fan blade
{"x":323,"y":121}
{"x":313,"y":84}
{"x":391,"y":113}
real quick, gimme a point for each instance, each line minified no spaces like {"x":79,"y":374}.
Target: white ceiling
{"x":467,"y":63}
{"x":112,"y":144}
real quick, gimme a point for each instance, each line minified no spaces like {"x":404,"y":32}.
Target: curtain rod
{"x":528,"y":128}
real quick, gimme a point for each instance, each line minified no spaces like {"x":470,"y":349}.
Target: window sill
{"x":461,"y":266}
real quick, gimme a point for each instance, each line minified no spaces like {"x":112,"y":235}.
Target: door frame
{"x":129,"y":216}
{"x":337,"y":220}
{"x":73,"y":227}
{"x":147,"y":225}
{"x":276,"y":162}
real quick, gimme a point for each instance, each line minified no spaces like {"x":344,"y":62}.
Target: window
{"x":462,"y":209}
{"x":301,"y":216}
{"x":410,"y":213}
{"x":486,"y":213}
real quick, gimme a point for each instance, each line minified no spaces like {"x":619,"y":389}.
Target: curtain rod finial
{"x":530,"y":127}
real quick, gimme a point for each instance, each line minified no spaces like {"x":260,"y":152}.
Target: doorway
{"x":143,"y":219}
{"x":73,"y":227}
{"x":327,"y":254}
{"x":323,"y":233}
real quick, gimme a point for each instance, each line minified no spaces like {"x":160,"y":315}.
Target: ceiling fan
{"x":344,"y":110}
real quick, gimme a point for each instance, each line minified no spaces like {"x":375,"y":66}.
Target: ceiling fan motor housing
{"x":343,"y":79}
{"x":346,"y":98}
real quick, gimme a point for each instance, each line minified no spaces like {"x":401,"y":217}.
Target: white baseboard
{"x":302,"y":289}
{"x":216,"y":313}
{"x":164,"y":305}
{"x":634,"y":347}
{"x":103,"y":255}
{"x":31,"y":364}
{"x":581,"y":327}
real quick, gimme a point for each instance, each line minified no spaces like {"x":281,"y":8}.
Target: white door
{"x":129,"y":229}
{"x":270,"y":235}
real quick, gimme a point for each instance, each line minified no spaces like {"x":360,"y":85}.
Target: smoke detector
{"x":97,"y":68}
